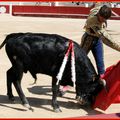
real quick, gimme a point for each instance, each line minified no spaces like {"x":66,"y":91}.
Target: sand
{"x":39,"y":95}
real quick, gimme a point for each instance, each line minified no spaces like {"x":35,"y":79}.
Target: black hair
{"x":105,"y":12}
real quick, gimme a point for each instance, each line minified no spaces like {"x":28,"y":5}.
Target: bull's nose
{"x":80,"y":100}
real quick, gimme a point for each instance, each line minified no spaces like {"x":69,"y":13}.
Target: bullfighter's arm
{"x":100,"y":31}
{"x":106,"y":38}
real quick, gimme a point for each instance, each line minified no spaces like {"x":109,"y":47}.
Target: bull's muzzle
{"x":80,"y":100}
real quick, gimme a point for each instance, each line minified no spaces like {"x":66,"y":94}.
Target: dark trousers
{"x":96,"y":46}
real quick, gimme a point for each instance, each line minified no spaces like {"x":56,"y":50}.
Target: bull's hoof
{"x":28,"y":107}
{"x":31,"y":109}
{"x":57,"y":110}
{"x":61,"y":93}
{"x":12,"y":99}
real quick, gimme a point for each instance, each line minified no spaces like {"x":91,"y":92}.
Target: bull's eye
{"x":14,"y":57}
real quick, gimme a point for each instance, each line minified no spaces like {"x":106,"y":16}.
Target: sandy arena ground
{"x":39,"y":95}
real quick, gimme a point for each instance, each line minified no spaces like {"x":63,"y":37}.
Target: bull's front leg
{"x":55,"y":90}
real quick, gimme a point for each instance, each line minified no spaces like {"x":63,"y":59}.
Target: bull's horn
{"x":103,"y":82}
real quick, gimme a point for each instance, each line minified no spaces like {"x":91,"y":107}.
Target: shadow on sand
{"x":70,"y":104}
{"x":43,"y":103}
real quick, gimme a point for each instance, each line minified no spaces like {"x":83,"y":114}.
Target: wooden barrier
{"x":52,"y":11}
{"x":58,"y":11}
{"x":4,"y":9}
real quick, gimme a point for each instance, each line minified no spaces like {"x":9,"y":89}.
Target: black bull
{"x":44,"y":53}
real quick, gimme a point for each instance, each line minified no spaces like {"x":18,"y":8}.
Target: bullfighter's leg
{"x":55,"y":90}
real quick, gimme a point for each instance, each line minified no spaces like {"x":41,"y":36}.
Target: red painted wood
{"x":58,"y":11}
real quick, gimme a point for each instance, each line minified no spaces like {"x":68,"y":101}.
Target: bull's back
{"x":47,"y":52}
{"x":43,"y":52}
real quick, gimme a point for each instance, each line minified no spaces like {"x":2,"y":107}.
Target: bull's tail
{"x":3,"y":43}
{"x":12,"y":35}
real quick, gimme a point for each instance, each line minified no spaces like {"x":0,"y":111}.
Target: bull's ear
{"x":98,"y":77}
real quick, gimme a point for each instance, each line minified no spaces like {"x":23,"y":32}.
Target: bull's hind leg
{"x":55,"y":90}
{"x":9,"y":84}
{"x":16,"y":73}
